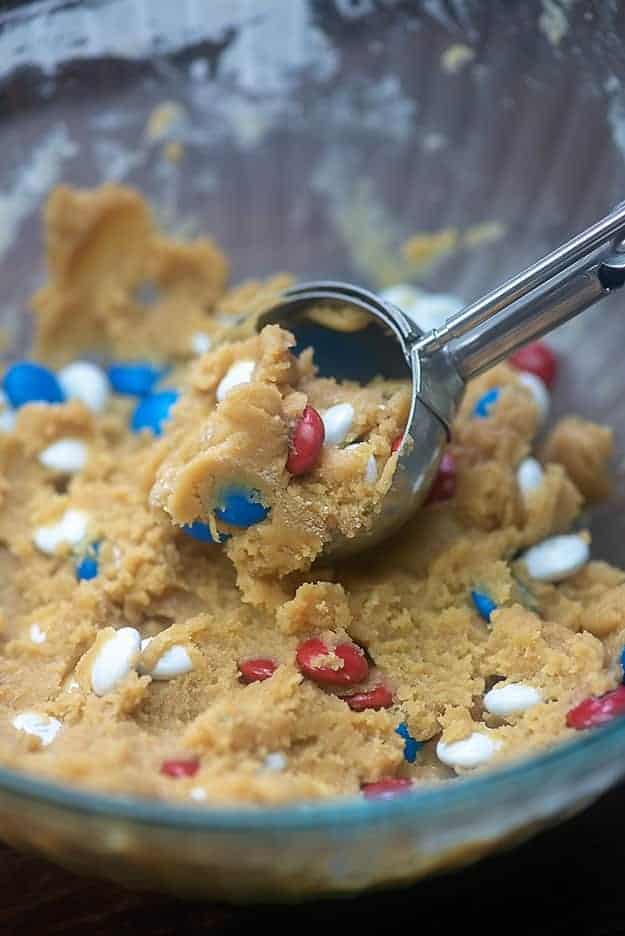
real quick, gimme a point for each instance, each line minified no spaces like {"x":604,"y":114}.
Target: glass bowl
{"x":317,"y":137}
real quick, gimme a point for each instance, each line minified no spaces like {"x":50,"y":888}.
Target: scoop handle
{"x":537,"y":313}
{"x":580,"y":248}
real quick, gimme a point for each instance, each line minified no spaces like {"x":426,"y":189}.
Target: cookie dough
{"x":150,"y":647}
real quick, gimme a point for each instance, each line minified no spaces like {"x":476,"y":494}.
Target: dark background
{"x":569,"y":880}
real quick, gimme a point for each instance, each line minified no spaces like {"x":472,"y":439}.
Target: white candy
{"x":275,"y":761}
{"x":67,"y":455}
{"x":200,"y":342}
{"x":337,"y":422}
{"x":529,"y":476}
{"x":197,"y":793}
{"x":371,"y":470}
{"x":511,"y":699}
{"x":70,"y":529}
{"x":115,"y":660}
{"x":87,"y":382}
{"x":473,"y":751}
{"x":37,"y":635}
{"x":427,"y":310}
{"x":43,"y":727}
{"x":539,"y":392}
{"x":7,"y":418}
{"x":239,"y":373}
{"x":556,"y":558}
{"x":174,"y":662}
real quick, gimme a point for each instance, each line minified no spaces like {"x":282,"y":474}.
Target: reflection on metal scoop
{"x":358,"y":336}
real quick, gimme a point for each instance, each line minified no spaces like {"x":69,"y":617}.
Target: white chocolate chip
{"x":529,"y":476}
{"x":337,"y":422}
{"x":115,"y":660}
{"x":37,"y":635}
{"x":511,"y":699}
{"x":70,"y":529}
{"x":556,"y":558}
{"x":174,"y":662}
{"x":7,"y":420}
{"x":201,"y":342}
{"x":86,"y":382}
{"x":197,"y":793}
{"x":473,"y":751}
{"x":43,"y":727}
{"x":67,"y":455}
{"x":371,"y":470}
{"x":275,"y":761}
{"x":239,"y":373}
{"x":539,"y":392}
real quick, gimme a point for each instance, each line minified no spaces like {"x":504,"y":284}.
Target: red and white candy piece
{"x":180,"y":767}
{"x":444,"y":484}
{"x":377,"y":698}
{"x":556,"y":558}
{"x":539,"y":393}
{"x":470,"y":752}
{"x":536,"y":358}
{"x":238,"y":373}
{"x":386,"y":788}
{"x":306,"y":442}
{"x":597,"y":710}
{"x":529,"y":477}
{"x":338,"y":421}
{"x":257,"y":669}
{"x":310,"y":656}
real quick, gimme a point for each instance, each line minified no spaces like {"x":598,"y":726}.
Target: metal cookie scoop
{"x":365,"y":336}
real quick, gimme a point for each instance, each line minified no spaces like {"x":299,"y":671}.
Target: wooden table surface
{"x":566,"y":881}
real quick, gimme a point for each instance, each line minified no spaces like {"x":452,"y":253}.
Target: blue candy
{"x":88,"y":568}
{"x":153,"y":410}
{"x":26,"y":382}
{"x":134,"y":379}
{"x":622,"y":662}
{"x":484,"y":405}
{"x":241,"y":508}
{"x":411,"y":745}
{"x":484,"y":604}
{"x":198,"y":531}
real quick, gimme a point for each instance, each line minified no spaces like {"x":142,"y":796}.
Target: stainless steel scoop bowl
{"x":386,"y":342}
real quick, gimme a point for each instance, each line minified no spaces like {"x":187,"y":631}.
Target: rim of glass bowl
{"x":345,"y":811}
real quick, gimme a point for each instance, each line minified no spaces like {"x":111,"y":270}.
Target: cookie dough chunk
{"x":229,"y":456}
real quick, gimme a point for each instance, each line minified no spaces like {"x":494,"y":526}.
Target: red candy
{"x":386,"y":788}
{"x":306,"y":442}
{"x":180,"y":768}
{"x":536,"y":358}
{"x":256,"y":670}
{"x":597,"y":710}
{"x":377,"y":698}
{"x":396,"y":444}
{"x":444,"y":484}
{"x":355,"y":668}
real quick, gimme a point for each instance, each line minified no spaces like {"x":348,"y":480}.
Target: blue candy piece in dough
{"x":240,"y":507}
{"x":484,"y":405}
{"x":88,"y":567}
{"x":622,"y":661}
{"x":411,"y":745}
{"x":484,"y":604}
{"x":134,"y":378}
{"x":27,"y":382}
{"x":153,"y":410}
{"x":198,"y":531}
